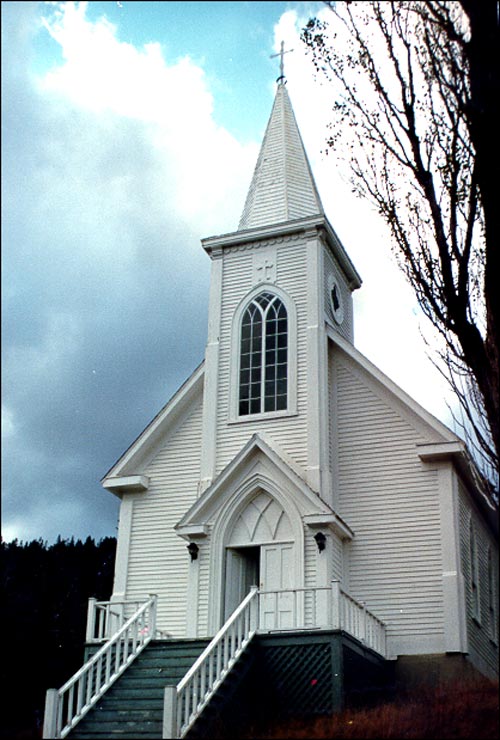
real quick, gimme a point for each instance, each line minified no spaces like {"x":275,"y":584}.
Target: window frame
{"x":339,"y":311}
{"x":291,"y":376}
{"x":474,"y":573}
{"x":492,"y":597}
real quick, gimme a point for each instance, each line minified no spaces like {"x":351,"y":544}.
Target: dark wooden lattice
{"x":299,"y":678}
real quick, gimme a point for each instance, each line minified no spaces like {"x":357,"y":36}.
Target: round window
{"x":336,"y":302}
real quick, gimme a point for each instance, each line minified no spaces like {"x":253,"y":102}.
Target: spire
{"x":282,"y":187}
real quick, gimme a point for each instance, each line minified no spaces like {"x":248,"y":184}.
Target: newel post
{"x":363,"y":622}
{"x":170,"y":712}
{"x":91,"y":612}
{"x":50,"y":714}
{"x":152,"y":615}
{"x":335,"y":605}
{"x":254,"y":610}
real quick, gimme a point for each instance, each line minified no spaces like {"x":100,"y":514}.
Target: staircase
{"x":232,"y":706}
{"x":133,"y":706}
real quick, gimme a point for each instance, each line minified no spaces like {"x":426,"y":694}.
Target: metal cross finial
{"x":281,"y":54}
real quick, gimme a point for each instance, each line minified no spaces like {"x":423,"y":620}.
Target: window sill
{"x":264,"y":416}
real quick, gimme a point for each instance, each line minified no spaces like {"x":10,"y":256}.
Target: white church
{"x":295,"y":530}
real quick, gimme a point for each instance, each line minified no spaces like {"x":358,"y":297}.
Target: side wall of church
{"x":158,"y":560}
{"x":390,"y":500}
{"x":482,"y":628}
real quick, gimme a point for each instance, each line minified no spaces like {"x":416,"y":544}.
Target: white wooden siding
{"x":391,"y":502}
{"x":158,"y":559}
{"x":332,"y":269}
{"x":482,"y":649}
{"x":337,"y":560}
{"x":289,"y":432}
{"x":203,"y":585}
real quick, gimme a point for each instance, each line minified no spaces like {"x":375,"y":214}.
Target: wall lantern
{"x":320,"y":541}
{"x":193,"y":550}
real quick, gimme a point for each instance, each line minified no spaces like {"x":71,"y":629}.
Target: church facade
{"x":288,"y":462}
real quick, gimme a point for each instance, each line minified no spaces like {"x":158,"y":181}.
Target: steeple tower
{"x":279,"y":283}
{"x":282,"y":187}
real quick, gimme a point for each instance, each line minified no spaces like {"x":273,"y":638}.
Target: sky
{"x":130,"y":131}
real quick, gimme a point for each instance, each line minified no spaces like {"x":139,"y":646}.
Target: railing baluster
{"x":69,"y":708}
{"x":187,"y":704}
{"x":59,"y":718}
{"x":79,"y":700}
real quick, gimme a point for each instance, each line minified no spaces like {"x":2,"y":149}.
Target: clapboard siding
{"x":331,"y":269}
{"x":158,"y":561}
{"x":289,"y":432}
{"x":478,"y":631}
{"x":203,"y":585}
{"x":337,"y":560}
{"x":391,"y":502}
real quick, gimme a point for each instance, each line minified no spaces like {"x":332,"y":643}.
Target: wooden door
{"x":277,"y":602}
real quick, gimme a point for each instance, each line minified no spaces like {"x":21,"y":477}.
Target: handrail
{"x":185,"y":702}
{"x":104,"y":618}
{"x":66,"y":706}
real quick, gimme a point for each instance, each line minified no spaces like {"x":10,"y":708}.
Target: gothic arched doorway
{"x":260,"y":551}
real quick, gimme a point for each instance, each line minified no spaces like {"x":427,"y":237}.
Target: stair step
{"x":133,"y":706}
{"x":129,"y":715}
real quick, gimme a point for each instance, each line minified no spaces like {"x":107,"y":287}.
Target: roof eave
{"x":214,"y":244}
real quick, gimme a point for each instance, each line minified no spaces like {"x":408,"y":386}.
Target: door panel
{"x":277,"y":609}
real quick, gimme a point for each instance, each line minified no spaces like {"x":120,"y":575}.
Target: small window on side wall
{"x":492,"y":598}
{"x":474,"y":572}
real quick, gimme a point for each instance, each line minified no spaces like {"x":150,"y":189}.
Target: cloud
{"x":113,"y":170}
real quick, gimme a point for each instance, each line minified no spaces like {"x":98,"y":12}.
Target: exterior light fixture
{"x":320,"y":541}
{"x":193,"y":550}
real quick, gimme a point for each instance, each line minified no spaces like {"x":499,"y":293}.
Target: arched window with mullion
{"x":263,"y":384}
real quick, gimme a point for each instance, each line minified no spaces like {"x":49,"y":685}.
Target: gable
{"x":127,"y":474}
{"x":259,"y":467}
{"x":376,"y":387}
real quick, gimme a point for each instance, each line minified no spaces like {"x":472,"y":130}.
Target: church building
{"x":290,"y":510}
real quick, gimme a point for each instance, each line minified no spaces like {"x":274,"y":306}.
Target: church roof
{"x":282,"y":187}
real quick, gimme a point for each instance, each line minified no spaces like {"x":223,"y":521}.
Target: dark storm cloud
{"x":105,"y":291}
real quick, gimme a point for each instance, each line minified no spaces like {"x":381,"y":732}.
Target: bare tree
{"x":416,"y":91}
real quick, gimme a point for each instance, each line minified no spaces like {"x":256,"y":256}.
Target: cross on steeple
{"x":281,"y":54}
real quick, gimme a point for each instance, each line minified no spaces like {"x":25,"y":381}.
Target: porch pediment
{"x":261,"y":465}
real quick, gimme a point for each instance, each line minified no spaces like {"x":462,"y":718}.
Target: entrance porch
{"x":310,"y":613}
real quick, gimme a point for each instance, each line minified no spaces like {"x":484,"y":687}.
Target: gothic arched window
{"x":263,"y":356}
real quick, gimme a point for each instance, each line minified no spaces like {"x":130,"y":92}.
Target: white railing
{"x":66,"y":706}
{"x":321,"y":608}
{"x":355,"y":619}
{"x":279,"y":609}
{"x":105,"y":618}
{"x":184,"y":703}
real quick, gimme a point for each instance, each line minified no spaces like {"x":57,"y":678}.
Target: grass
{"x":465,"y":710}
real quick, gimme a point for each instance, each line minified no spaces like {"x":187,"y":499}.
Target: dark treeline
{"x":45,"y":590}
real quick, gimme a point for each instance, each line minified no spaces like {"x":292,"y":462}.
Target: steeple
{"x":282,"y":187}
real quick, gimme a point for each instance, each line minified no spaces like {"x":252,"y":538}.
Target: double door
{"x":271,"y":568}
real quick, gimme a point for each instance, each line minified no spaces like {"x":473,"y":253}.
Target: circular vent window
{"x":336,"y":302}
